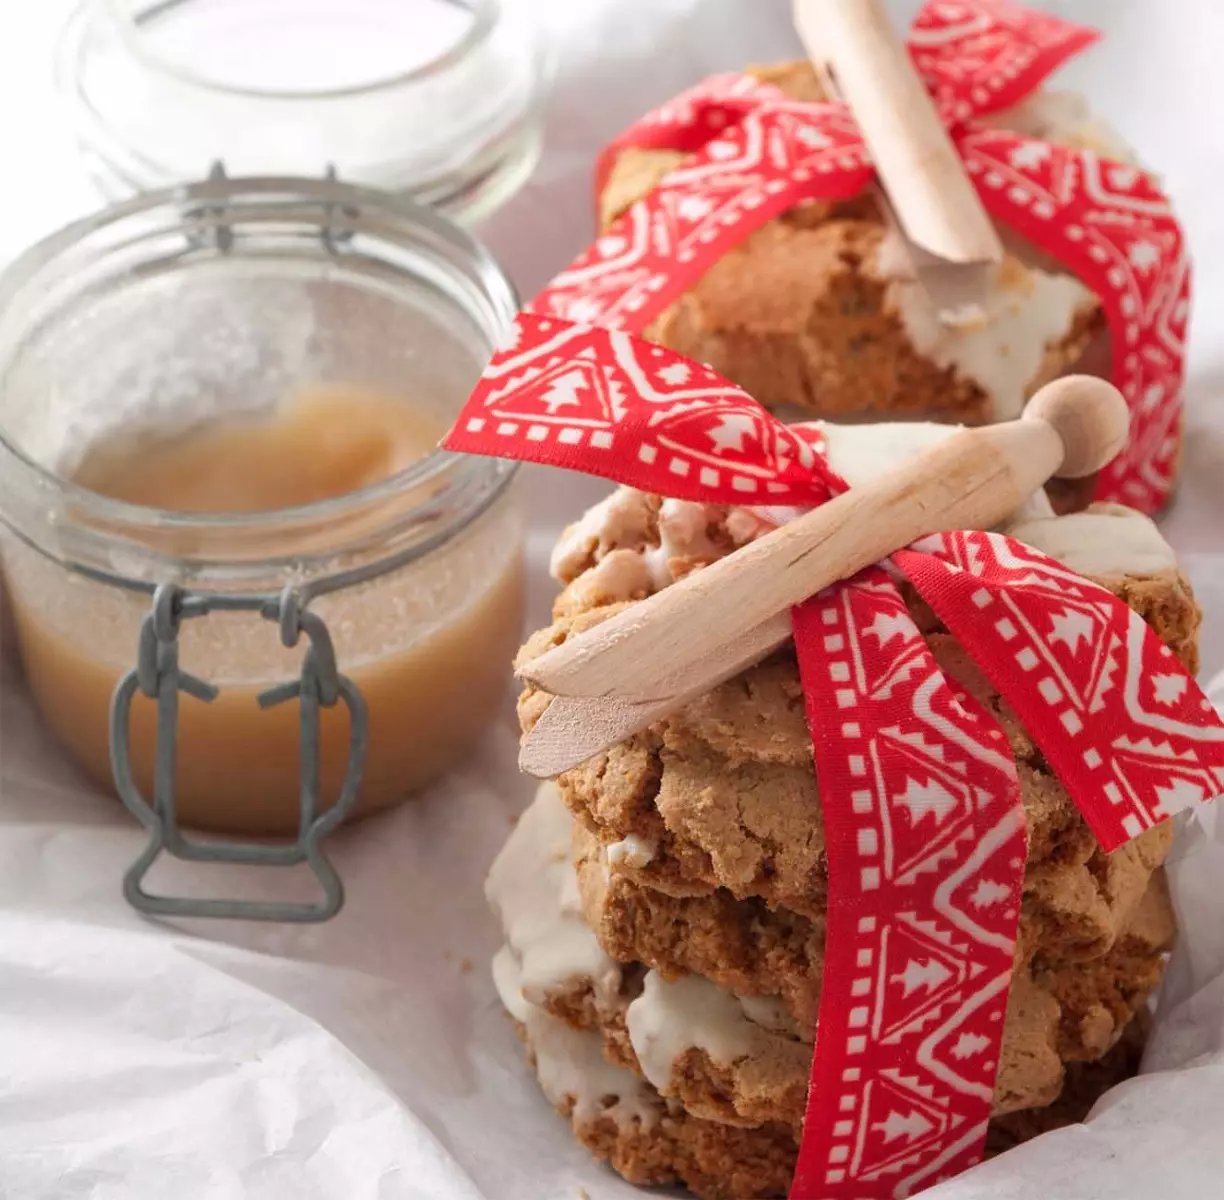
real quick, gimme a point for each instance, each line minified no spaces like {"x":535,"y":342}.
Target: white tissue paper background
{"x":368,"y":1059}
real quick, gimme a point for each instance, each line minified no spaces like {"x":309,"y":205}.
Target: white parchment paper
{"x":368,"y":1059}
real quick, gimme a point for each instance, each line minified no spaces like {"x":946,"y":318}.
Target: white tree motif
{"x":929,"y":975}
{"x":565,"y":391}
{"x":909,"y":1127}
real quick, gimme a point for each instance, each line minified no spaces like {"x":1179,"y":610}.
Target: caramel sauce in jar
{"x":229,"y":393}
{"x":428,"y":644}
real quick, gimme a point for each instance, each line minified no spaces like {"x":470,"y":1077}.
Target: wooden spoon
{"x":656,"y":656}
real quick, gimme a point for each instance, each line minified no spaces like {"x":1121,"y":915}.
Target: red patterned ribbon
{"x":925,"y":839}
{"x":753,"y":154}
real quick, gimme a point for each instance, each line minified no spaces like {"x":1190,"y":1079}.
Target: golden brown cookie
{"x":815,"y":310}
{"x":1085,"y":1084}
{"x":723,"y":791}
{"x":744,"y":1058}
{"x":649,"y":1140}
{"x":1075,"y":918}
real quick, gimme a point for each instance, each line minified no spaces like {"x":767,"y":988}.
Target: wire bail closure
{"x":207,"y":224}
{"x":157,"y":675}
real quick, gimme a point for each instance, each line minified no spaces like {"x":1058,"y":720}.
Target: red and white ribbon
{"x":924,"y":826}
{"x":753,"y":154}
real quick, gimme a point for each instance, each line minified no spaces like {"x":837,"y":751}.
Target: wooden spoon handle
{"x":659,"y":651}
{"x":853,"y":44}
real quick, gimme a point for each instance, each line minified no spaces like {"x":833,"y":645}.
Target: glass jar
{"x":439,"y":99}
{"x":215,"y":300}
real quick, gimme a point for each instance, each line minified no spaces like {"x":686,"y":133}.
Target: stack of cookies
{"x":664,"y":904}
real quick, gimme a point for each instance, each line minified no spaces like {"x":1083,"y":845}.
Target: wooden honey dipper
{"x":674,"y":646}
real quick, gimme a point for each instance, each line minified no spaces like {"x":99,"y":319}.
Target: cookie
{"x":816,"y":310}
{"x":745,"y":1059}
{"x":705,"y":1132}
{"x":715,"y":811}
{"x":1099,"y":997}
{"x":722,"y":793}
{"x":623,"y":1121}
{"x":1085,"y":1084}
{"x":755,"y":950}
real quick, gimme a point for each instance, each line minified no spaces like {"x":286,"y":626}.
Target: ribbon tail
{"x":608,"y":404}
{"x":981,"y":56}
{"x":926,"y":851}
{"x":1109,"y":224}
{"x":1118,"y":718}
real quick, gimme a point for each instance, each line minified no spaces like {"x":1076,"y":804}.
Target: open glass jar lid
{"x":438,"y":99}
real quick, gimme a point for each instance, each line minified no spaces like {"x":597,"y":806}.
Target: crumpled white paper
{"x":368,"y":1059}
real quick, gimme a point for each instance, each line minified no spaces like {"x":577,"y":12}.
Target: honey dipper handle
{"x":659,"y":651}
{"x":854,"y":42}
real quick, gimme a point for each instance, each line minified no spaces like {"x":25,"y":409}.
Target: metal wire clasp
{"x":319,"y":685}
{"x":207,"y":222}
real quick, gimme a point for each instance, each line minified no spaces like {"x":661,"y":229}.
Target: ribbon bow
{"x":754,"y":153}
{"x":924,"y":826}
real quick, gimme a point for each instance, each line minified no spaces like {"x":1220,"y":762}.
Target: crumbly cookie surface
{"x":1073,"y":916}
{"x":723,"y":791}
{"x":662,"y":1143}
{"x":651,"y":1139}
{"x":743,"y":1057}
{"x":815,"y":310}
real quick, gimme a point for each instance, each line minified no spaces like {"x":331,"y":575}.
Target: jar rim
{"x":485,"y":15}
{"x":471,"y":483}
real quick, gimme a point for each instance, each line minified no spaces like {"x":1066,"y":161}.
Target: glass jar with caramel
{"x":221,"y":509}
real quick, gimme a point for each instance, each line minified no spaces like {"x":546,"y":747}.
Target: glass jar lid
{"x":438,"y":99}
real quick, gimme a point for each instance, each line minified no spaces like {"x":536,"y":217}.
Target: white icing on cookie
{"x":1106,"y":540}
{"x":1064,"y":118}
{"x":1025,"y":311}
{"x":683,"y":527}
{"x":507,"y":979}
{"x":533,"y":889}
{"x":569,"y":1062}
{"x":633,"y":851}
{"x":690,"y":1013}
{"x":769,"y":1012}
{"x":621,"y":520}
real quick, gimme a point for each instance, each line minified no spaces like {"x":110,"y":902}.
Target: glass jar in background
{"x":216,"y":300}
{"x":441,"y":100}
